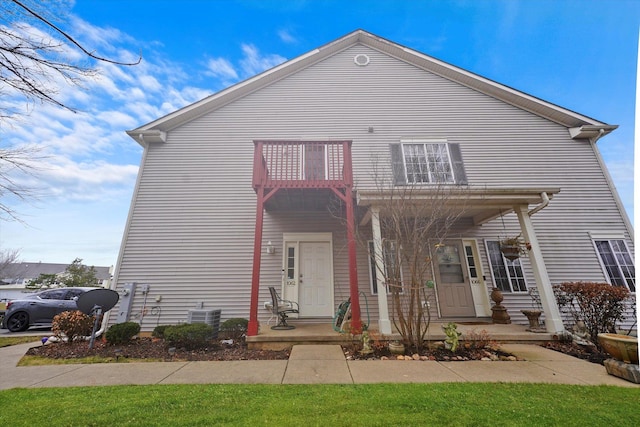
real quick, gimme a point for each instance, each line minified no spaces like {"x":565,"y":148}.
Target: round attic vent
{"x":361,"y":59}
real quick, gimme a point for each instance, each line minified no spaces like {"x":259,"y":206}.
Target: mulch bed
{"x":147,"y":348}
{"x":431,"y":352}
{"x":589,"y":353}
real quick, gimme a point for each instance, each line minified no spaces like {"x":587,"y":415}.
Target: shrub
{"x":72,"y":325}
{"x":479,"y":340}
{"x":158,"y":331}
{"x":189,"y":335}
{"x":234,"y":329}
{"x":122,"y":333}
{"x":598,"y":305}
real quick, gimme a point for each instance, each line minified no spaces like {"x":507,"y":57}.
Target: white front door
{"x":315,"y":282}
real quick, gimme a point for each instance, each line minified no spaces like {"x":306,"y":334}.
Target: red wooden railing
{"x":302,"y":164}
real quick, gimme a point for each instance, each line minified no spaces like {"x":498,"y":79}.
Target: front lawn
{"x":459,"y":404}
{"x":7,"y":341}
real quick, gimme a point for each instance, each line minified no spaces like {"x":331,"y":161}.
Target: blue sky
{"x":578,"y":54}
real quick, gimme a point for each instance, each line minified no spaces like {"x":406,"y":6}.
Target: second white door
{"x":315,"y":280}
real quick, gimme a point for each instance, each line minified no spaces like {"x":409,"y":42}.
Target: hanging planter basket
{"x":512,"y":248}
{"x":510,"y":252}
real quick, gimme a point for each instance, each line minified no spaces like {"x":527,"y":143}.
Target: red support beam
{"x":356,"y":322}
{"x":252,"y":327}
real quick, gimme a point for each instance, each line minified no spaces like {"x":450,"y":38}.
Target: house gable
{"x":156,"y":130}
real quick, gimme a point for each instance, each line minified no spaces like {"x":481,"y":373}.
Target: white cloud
{"x":150,"y":83}
{"x":220,"y":67}
{"x":287,"y":37}
{"x":254,"y":63}
{"x":118,"y":119}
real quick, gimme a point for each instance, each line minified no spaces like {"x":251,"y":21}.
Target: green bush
{"x":234,"y":329}
{"x":189,"y":335}
{"x":72,"y":325}
{"x":158,"y":331}
{"x":122,"y":333}
{"x":598,"y":305}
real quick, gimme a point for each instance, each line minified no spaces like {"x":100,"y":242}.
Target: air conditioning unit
{"x":210,"y":317}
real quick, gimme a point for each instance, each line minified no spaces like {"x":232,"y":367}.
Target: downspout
{"x":596,"y":138}
{"x":542,"y":205}
{"x":611,"y":184}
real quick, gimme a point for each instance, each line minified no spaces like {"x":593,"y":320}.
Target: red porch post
{"x":356,"y":322}
{"x":252,"y":327}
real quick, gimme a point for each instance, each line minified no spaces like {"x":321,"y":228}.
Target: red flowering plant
{"x":72,"y":325}
{"x":600,"y":306}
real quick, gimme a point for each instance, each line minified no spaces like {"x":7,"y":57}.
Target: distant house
{"x":234,"y":192}
{"x":16,"y":276}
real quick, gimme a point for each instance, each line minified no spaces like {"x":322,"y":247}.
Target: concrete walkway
{"x":311,"y":364}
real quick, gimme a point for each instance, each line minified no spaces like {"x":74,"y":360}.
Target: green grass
{"x":7,"y":341}
{"x":29,"y":360}
{"x":456,"y":404}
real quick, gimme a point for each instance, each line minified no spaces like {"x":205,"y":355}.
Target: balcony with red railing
{"x":302,"y":164}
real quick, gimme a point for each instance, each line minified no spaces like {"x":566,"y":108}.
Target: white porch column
{"x":553,"y":321}
{"x":383,"y":308}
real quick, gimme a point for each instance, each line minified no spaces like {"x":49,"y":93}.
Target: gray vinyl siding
{"x":191,"y":226}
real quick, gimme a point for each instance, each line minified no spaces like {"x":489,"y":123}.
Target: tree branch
{"x":72,"y":40}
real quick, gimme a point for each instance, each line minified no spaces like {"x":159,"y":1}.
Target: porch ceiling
{"x":308,"y":199}
{"x":479,"y":204}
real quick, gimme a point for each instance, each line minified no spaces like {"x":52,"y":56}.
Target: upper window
{"x":617,"y":262}
{"x":507,"y":275}
{"x":427,"y":162}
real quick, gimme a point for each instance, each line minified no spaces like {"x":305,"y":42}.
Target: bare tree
{"x":36,"y":56}
{"x":35,"y":52}
{"x":415,"y":223}
{"x":15,"y":161}
{"x":8,"y":257}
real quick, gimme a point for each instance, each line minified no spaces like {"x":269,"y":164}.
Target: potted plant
{"x":533,"y":315}
{"x":513,"y":247}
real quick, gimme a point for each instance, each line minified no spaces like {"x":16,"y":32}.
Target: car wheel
{"x":18,"y":322}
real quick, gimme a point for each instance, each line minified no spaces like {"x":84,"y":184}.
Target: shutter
{"x":459,"y":174}
{"x":397,"y":164}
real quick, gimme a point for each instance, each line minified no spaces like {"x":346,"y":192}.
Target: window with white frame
{"x":391,"y":265}
{"x":507,"y":275}
{"x":427,"y":163}
{"x":617,"y":262}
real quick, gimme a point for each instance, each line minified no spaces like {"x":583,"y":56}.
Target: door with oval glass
{"x":452,"y":281}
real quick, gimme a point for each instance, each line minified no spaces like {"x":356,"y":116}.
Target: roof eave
{"x":591,"y":132}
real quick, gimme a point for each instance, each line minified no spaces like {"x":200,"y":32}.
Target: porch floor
{"x":323,"y":333}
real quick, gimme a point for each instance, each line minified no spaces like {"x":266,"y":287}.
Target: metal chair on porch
{"x":281,"y":308}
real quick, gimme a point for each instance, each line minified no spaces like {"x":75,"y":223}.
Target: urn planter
{"x":620,"y":347}
{"x":396,"y":347}
{"x":534,"y":320}
{"x":499,"y":312}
